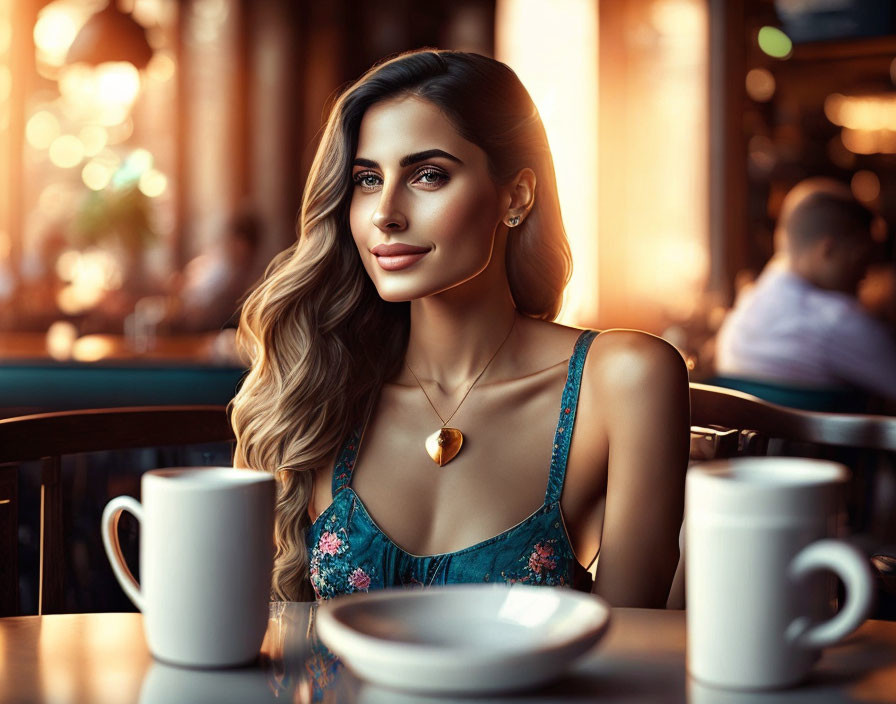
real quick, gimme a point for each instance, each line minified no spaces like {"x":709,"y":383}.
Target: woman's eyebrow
{"x":428,"y":154}
{"x":410,"y":159}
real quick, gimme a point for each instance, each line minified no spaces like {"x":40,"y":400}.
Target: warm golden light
{"x":109,"y":159}
{"x":57,"y":198}
{"x":54,"y":33}
{"x":654,"y":163}
{"x":5,"y":35}
{"x":121,"y":132}
{"x":760,"y":85}
{"x":103,"y":94}
{"x":73,"y":300}
{"x":92,"y":348}
{"x":563,"y":82}
{"x":66,"y":263}
{"x":153,"y":183}
{"x":868,"y":121}
{"x":76,"y":675}
{"x":60,"y":339}
{"x":117,"y":83}
{"x":94,"y":139}
{"x":140,"y":160}
{"x":66,"y":151}
{"x":865,"y":186}
{"x":41,"y":129}
{"x":5,"y":244}
{"x":91,"y":274}
{"x":858,"y":141}
{"x":161,"y":67}
{"x":5,"y":83}
{"x":96,"y":176}
{"x":832,"y":107}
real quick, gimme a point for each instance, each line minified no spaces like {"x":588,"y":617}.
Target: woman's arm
{"x":641,"y":382}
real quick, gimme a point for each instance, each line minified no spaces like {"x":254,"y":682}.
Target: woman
{"x":407,"y":379}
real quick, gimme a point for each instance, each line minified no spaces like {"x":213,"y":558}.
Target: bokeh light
{"x":121,"y":132}
{"x":774,"y":42}
{"x":41,"y":129}
{"x":868,"y":121}
{"x":94,"y":138}
{"x":92,"y":348}
{"x":760,"y":84}
{"x":103,"y":95}
{"x":117,"y":83}
{"x":858,"y":141}
{"x":54,"y":33}
{"x":96,"y":175}
{"x":66,"y":263}
{"x":66,"y":151}
{"x":865,"y":186}
{"x":90,"y":275}
{"x":61,"y":337}
{"x":161,"y":67}
{"x":152,"y":183}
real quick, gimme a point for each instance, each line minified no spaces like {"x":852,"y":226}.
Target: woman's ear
{"x":522,"y":197}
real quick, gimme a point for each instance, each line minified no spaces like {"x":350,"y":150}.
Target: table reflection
{"x":296,"y":667}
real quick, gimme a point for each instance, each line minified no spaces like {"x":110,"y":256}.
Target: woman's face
{"x":424,"y":212}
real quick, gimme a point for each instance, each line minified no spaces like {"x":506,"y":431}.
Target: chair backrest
{"x":808,"y":398}
{"x":715,"y":407}
{"x":726,"y":423}
{"x":49,"y":436}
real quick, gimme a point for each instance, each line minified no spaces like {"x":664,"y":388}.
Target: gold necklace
{"x":444,"y":444}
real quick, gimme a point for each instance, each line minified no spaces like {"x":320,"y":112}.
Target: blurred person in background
{"x":801,"y":323}
{"x":207,"y":294}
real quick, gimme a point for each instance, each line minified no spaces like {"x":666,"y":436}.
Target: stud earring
{"x":513,"y":221}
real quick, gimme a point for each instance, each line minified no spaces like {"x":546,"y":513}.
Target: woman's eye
{"x":366,"y":180}
{"x":431,"y":177}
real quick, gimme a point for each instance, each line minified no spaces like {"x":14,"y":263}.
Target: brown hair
{"x":820,"y":207}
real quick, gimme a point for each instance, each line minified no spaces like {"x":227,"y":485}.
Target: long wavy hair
{"x":321,"y":340}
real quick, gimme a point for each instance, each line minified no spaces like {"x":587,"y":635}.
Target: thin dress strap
{"x":568,"y":403}
{"x":345,"y":462}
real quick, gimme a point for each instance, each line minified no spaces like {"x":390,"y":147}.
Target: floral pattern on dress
{"x":330,"y":575}
{"x":540,"y":566}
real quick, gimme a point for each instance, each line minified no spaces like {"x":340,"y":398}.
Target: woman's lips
{"x":393,"y":257}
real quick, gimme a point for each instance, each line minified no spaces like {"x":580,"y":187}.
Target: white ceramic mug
{"x":206,"y":556}
{"x":757,"y":532}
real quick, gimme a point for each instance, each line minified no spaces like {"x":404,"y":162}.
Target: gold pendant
{"x":444,"y":444}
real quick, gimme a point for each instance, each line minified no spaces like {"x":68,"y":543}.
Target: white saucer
{"x":462,"y":638}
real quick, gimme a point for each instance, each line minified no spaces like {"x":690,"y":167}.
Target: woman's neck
{"x":455,"y":334}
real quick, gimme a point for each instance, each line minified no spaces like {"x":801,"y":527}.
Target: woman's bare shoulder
{"x":623,"y":361}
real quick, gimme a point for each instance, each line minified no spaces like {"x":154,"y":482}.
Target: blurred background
{"x":153,"y":152}
{"x":153,"y":155}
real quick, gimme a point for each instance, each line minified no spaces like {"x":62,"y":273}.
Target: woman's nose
{"x":388,"y":216}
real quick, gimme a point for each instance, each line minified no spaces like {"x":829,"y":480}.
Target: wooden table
{"x":102,"y":658}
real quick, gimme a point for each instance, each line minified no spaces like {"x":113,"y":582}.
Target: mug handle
{"x":111,"y":515}
{"x":852,"y":567}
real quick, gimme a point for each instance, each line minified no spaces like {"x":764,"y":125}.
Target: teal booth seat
{"x":830,"y":399}
{"x":38,"y":387}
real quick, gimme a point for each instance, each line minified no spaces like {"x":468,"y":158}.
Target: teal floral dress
{"x":349,"y":553}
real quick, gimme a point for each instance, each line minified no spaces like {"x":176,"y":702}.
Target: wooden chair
{"x":758,"y":421}
{"x":728,"y":423}
{"x":46,"y":437}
